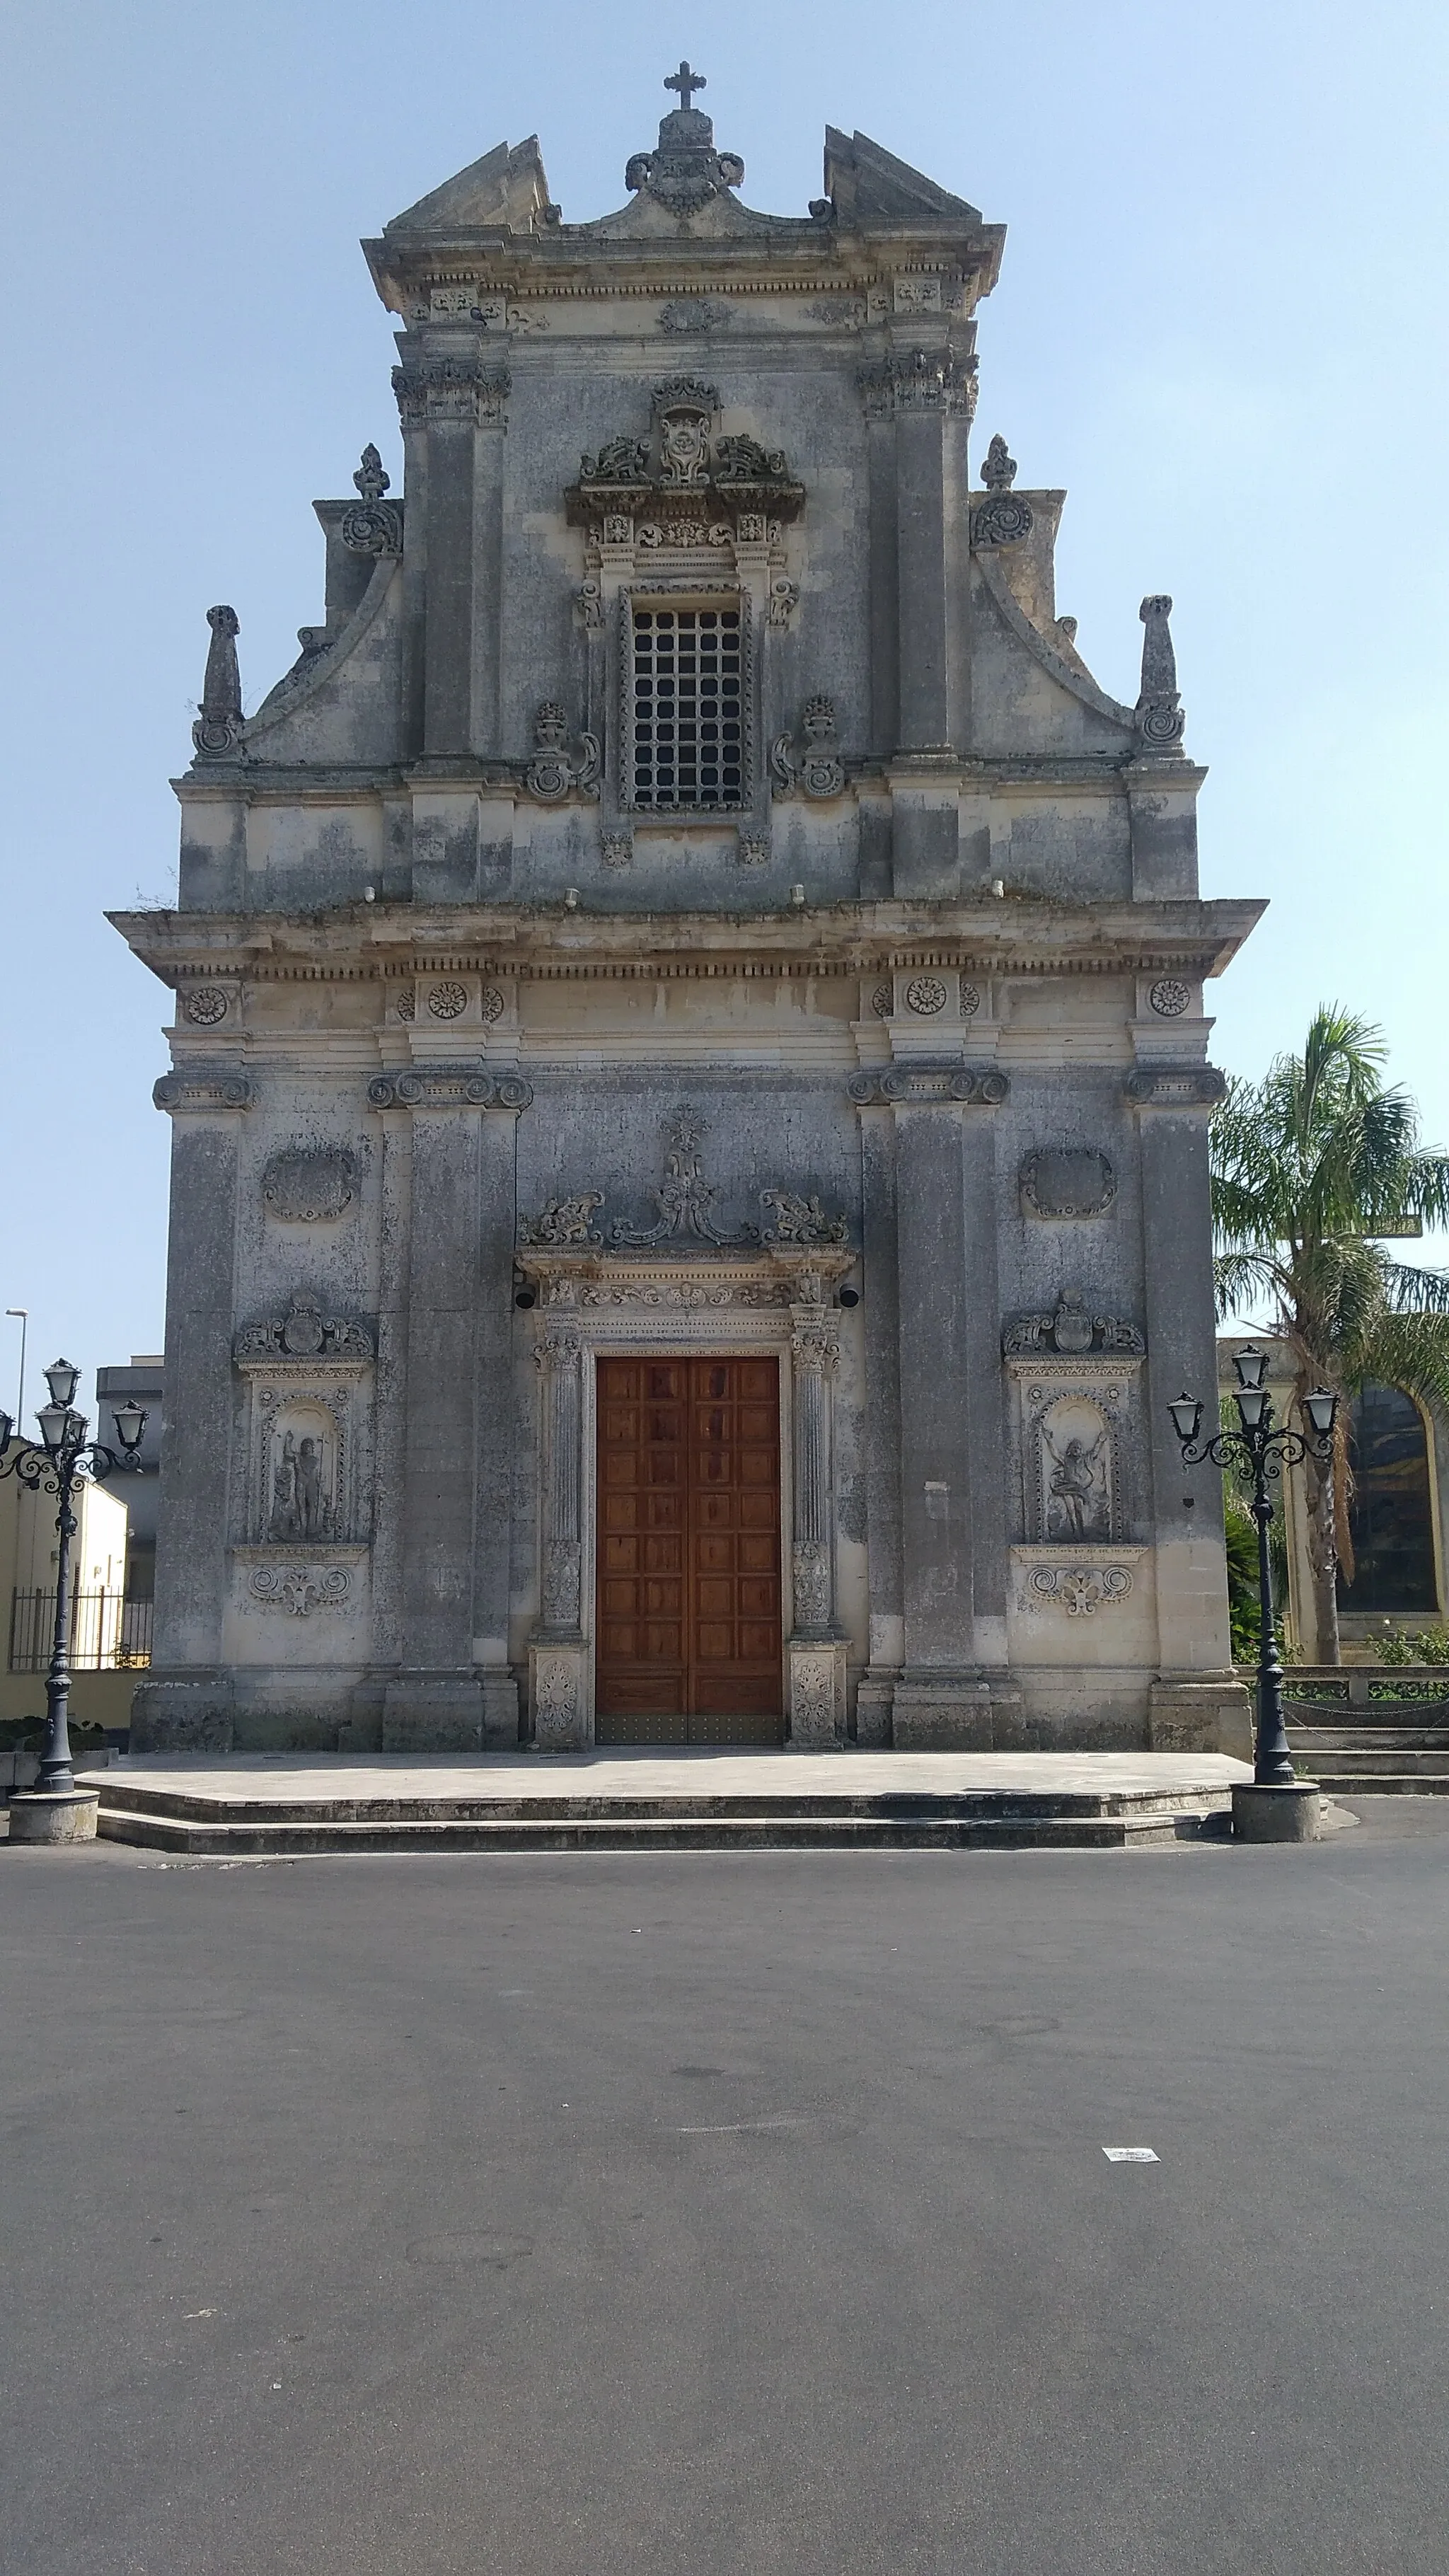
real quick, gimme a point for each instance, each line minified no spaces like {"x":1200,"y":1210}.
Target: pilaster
{"x":816,"y":1650}
{"x":185,"y":1701}
{"x":558,"y":1651}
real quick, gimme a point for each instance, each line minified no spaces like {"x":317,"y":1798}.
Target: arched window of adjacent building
{"x":1390,"y":1516}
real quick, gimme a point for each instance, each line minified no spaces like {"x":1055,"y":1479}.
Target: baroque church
{"x":689,"y":1091}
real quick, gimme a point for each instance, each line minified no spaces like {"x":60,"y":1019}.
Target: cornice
{"x":1012,"y":935}
{"x":1106,"y":773}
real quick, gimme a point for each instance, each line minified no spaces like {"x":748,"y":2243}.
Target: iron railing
{"x":107,"y":1633}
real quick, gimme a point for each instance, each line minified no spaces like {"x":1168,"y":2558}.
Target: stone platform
{"x":647,"y":1801}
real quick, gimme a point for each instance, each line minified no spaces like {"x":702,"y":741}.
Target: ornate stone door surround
{"x":638,"y":1305}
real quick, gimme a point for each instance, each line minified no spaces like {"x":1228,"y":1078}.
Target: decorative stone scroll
{"x":1176,"y":1086}
{"x":1158,"y":713}
{"x":554,"y":773}
{"x":928,"y":1086}
{"x":1067,"y":1181}
{"x":817,"y":769}
{"x":1002,"y":520}
{"x":562,"y":1221}
{"x":686,"y":1204}
{"x":1080,"y":1590}
{"x":300,"y":1589}
{"x":304,"y":1332}
{"x":196,"y":1092}
{"x":1071,"y":1329}
{"x":372,"y":526}
{"x":309,"y":1184}
{"x":448,"y":1086}
{"x":217,"y":731}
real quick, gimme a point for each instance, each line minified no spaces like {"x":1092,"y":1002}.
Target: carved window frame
{"x":685,"y":590}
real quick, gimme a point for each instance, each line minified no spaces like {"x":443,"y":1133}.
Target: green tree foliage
{"x":1312,"y":1169}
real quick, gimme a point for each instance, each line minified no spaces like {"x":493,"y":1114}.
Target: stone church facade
{"x":689,"y":1081}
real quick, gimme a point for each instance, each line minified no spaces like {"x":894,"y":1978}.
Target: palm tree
{"x":1311,"y":1169}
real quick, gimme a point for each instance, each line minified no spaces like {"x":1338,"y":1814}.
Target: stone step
{"x":1351,"y":1739}
{"x":212,"y":1838}
{"x":1374,"y":1758}
{"x":1333,"y":1778}
{"x":493,"y":1807}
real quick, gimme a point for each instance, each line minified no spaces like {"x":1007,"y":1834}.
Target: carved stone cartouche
{"x":1071,"y":1330}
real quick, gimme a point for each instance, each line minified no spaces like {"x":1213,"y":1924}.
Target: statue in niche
{"x":299,"y":1503}
{"x":283,"y":1522}
{"x":1077,"y":1492}
{"x":311,"y":1504}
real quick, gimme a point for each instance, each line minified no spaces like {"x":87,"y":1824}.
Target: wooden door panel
{"x":689,"y":1567}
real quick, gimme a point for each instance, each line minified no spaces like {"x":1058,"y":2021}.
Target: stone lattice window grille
{"x":686,"y":724}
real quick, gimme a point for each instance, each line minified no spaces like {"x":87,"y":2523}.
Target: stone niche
{"x":300,"y":1562}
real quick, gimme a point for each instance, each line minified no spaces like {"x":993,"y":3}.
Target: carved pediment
{"x":687,"y":1211}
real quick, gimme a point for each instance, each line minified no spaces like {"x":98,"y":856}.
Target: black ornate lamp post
{"x":65,"y":1459}
{"x":1264,"y":1451}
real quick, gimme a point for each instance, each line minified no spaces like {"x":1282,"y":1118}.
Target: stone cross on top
{"x":686,"y":82}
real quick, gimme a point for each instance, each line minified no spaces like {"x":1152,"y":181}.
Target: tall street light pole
{"x":64,"y":1459}
{"x":22,"y":1315}
{"x":1279,"y":1807}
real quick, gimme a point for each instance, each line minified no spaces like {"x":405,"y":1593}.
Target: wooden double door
{"x":688,"y":1636}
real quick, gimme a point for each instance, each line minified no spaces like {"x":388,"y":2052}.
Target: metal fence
{"x":108,"y":1633}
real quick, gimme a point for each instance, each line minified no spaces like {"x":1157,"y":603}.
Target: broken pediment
{"x":867,"y":184}
{"x":508,"y":187}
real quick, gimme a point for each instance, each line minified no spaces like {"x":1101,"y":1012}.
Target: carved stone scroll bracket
{"x":910,"y":1085}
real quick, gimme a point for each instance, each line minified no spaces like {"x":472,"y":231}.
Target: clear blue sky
{"x":1221,"y":324}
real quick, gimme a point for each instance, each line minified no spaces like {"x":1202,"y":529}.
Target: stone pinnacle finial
{"x":999,"y":471}
{"x":217,"y":730}
{"x":1160,"y":720}
{"x":371,"y":478}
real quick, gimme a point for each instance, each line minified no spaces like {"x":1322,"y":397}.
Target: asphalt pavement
{"x":717,"y":2215}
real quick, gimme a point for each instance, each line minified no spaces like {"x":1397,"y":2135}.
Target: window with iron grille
{"x":687,"y":748}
